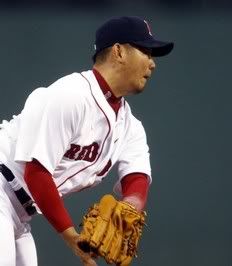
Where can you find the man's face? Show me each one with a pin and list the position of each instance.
(138, 68)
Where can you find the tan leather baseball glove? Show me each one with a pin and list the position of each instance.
(112, 229)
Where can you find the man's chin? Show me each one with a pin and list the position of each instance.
(137, 89)
(140, 89)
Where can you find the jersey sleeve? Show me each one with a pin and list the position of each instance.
(48, 122)
(135, 156)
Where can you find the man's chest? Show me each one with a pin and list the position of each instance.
(100, 136)
(92, 152)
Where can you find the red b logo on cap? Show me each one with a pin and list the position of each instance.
(148, 27)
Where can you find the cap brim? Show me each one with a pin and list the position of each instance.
(159, 48)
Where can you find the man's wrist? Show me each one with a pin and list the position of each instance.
(135, 201)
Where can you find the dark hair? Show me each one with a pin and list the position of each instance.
(102, 55)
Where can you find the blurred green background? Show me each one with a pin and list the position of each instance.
(186, 110)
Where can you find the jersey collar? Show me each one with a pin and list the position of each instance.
(110, 97)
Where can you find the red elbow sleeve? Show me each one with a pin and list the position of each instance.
(46, 196)
(135, 184)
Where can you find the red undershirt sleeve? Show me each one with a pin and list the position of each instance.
(135, 184)
(46, 196)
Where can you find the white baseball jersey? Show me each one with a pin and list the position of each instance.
(71, 129)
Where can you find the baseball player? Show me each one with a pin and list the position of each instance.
(70, 134)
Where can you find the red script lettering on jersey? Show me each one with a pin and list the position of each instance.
(85, 153)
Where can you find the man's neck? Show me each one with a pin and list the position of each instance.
(111, 76)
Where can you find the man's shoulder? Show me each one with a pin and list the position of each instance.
(69, 88)
(74, 79)
(71, 85)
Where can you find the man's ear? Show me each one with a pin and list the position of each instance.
(119, 52)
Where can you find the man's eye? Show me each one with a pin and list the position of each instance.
(146, 51)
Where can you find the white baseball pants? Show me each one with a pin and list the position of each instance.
(17, 247)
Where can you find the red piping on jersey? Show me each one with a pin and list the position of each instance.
(103, 141)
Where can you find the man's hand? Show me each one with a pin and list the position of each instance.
(71, 237)
(112, 228)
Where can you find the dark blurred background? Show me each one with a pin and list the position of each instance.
(186, 110)
(92, 4)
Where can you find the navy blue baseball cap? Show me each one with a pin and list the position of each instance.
(132, 30)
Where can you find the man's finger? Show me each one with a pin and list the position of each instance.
(89, 262)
